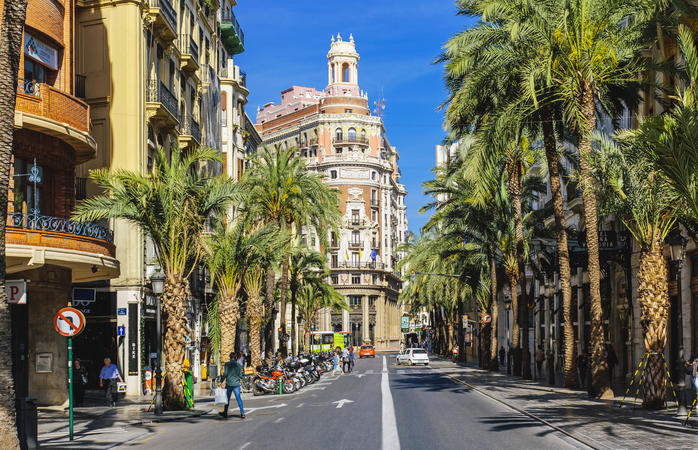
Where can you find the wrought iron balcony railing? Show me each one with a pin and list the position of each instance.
(167, 11)
(60, 225)
(28, 87)
(158, 92)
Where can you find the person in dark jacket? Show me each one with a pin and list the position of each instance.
(232, 375)
(79, 381)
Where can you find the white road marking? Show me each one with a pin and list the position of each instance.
(279, 420)
(280, 405)
(341, 402)
(300, 404)
(245, 445)
(390, 437)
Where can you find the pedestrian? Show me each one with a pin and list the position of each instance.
(231, 375)
(335, 362)
(540, 357)
(692, 370)
(502, 355)
(241, 359)
(345, 360)
(79, 381)
(455, 353)
(582, 367)
(351, 358)
(611, 360)
(107, 378)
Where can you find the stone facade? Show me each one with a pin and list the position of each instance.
(335, 133)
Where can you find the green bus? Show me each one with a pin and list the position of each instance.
(326, 341)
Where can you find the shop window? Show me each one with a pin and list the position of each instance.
(333, 174)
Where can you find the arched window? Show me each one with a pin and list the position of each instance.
(338, 134)
(363, 135)
(345, 72)
(351, 135)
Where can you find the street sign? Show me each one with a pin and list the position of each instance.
(121, 311)
(486, 318)
(16, 291)
(121, 330)
(405, 324)
(69, 322)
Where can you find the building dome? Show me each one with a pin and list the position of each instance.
(340, 47)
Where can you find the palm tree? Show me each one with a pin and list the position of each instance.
(13, 15)
(505, 54)
(172, 206)
(306, 266)
(314, 296)
(283, 192)
(231, 250)
(255, 311)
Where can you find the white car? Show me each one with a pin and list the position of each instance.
(413, 356)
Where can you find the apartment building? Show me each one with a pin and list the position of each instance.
(152, 74)
(337, 135)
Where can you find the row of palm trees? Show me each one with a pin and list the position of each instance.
(527, 85)
(245, 232)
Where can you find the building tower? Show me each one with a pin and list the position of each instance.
(343, 68)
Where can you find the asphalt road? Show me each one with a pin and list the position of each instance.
(421, 409)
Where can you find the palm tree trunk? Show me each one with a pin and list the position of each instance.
(284, 288)
(449, 333)
(13, 16)
(551, 155)
(600, 383)
(174, 306)
(494, 307)
(514, 173)
(255, 311)
(294, 340)
(228, 316)
(654, 305)
(306, 335)
(515, 334)
(270, 316)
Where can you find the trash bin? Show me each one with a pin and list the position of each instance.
(27, 423)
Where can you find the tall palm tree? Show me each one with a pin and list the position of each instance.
(13, 15)
(314, 296)
(502, 54)
(231, 250)
(255, 311)
(172, 206)
(306, 266)
(283, 192)
(630, 187)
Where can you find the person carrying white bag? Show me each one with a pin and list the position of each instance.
(231, 375)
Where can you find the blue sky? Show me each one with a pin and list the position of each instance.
(286, 43)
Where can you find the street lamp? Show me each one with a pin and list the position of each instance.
(677, 249)
(157, 283)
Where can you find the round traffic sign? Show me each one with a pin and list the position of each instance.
(486, 318)
(69, 322)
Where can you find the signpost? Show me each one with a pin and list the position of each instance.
(69, 322)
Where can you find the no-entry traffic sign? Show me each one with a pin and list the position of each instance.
(69, 322)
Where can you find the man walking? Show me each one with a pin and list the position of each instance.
(345, 360)
(107, 377)
(351, 359)
(232, 375)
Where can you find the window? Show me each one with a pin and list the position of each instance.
(374, 215)
(24, 189)
(32, 72)
(312, 240)
(363, 135)
(339, 151)
(334, 278)
(355, 217)
(333, 174)
(351, 134)
(355, 278)
(374, 279)
(355, 300)
(355, 237)
(333, 239)
(334, 260)
(374, 175)
(338, 135)
(355, 259)
(347, 111)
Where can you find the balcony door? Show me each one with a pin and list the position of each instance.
(25, 189)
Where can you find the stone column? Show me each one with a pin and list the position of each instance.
(364, 306)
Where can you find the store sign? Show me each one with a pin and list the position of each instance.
(40, 51)
(16, 291)
(83, 299)
(405, 324)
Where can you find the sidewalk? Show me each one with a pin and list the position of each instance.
(598, 423)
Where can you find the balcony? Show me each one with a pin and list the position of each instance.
(161, 105)
(189, 51)
(47, 110)
(189, 132)
(349, 140)
(231, 34)
(86, 248)
(372, 265)
(356, 244)
(164, 19)
(375, 203)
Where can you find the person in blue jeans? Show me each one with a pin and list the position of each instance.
(232, 375)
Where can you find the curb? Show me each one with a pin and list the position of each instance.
(164, 419)
(526, 413)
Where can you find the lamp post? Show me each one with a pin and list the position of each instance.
(157, 283)
(677, 247)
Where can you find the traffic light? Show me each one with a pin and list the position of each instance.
(412, 275)
(281, 334)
